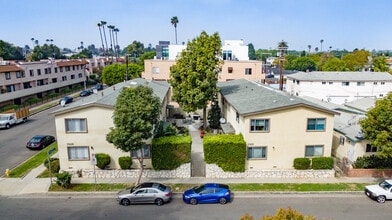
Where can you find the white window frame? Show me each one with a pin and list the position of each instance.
(75, 125)
(253, 125)
(78, 153)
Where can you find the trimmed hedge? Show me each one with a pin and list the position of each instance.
(170, 152)
(54, 165)
(125, 162)
(64, 179)
(228, 151)
(372, 162)
(302, 163)
(322, 163)
(102, 160)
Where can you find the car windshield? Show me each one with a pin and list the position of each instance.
(3, 118)
(35, 139)
(385, 185)
(198, 189)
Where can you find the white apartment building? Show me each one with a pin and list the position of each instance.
(339, 87)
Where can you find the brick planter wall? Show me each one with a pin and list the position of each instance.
(385, 173)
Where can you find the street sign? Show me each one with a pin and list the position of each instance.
(93, 159)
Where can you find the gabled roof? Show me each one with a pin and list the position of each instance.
(249, 97)
(9, 68)
(363, 104)
(341, 76)
(108, 97)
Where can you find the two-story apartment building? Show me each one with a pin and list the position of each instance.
(339, 87)
(22, 80)
(234, 54)
(277, 127)
(82, 126)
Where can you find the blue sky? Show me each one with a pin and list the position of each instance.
(342, 24)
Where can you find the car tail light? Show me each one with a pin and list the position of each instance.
(167, 194)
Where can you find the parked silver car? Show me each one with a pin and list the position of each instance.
(148, 192)
(381, 192)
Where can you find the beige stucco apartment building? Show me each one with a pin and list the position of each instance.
(81, 127)
(277, 127)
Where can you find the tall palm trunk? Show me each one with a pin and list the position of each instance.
(104, 34)
(100, 34)
(117, 47)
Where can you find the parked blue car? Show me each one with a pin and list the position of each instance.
(207, 193)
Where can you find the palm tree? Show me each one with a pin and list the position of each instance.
(316, 49)
(282, 47)
(111, 27)
(100, 34)
(309, 47)
(36, 42)
(103, 23)
(321, 42)
(116, 30)
(174, 21)
(32, 40)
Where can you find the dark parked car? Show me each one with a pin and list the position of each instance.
(85, 93)
(66, 99)
(39, 142)
(207, 193)
(149, 192)
(99, 86)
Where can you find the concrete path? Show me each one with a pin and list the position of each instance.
(198, 166)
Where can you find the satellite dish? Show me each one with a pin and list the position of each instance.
(62, 103)
(222, 120)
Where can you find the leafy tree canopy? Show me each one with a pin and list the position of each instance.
(377, 126)
(116, 73)
(194, 76)
(135, 49)
(380, 64)
(303, 64)
(334, 64)
(356, 60)
(251, 52)
(10, 52)
(45, 51)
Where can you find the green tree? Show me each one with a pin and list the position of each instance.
(135, 114)
(146, 56)
(194, 76)
(135, 49)
(251, 52)
(303, 64)
(377, 126)
(115, 73)
(85, 53)
(45, 51)
(356, 60)
(289, 214)
(380, 64)
(334, 64)
(10, 52)
(214, 115)
(174, 22)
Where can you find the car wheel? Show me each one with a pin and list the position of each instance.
(7, 126)
(159, 202)
(222, 201)
(380, 199)
(125, 202)
(193, 201)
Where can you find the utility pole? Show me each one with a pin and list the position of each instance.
(126, 68)
(282, 47)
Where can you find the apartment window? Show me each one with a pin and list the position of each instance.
(73, 67)
(360, 83)
(248, 71)
(230, 69)
(50, 70)
(323, 83)
(55, 69)
(54, 80)
(297, 82)
(259, 125)
(67, 68)
(370, 148)
(381, 95)
(61, 69)
(75, 125)
(10, 88)
(145, 150)
(46, 70)
(31, 72)
(374, 83)
(345, 83)
(330, 83)
(227, 55)
(7, 75)
(26, 85)
(314, 150)
(257, 152)
(78, 153)
(39, 72)
(382, 83)
(72, 76)
(18, 74)
(237, 117)
(341, 140)
(40, 82)
(64, 78)
(155, 70)
(316, 124)
(165, 52)
(80, 75)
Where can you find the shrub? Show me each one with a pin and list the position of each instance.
(54, 165)
(103, 160)
(372, 162)
(170, 152)
(302, 163)
(125, 162)
(288, 213)
(322, 163)
(64, 179)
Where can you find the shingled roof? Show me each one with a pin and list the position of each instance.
(9, 68)
(249, 97)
